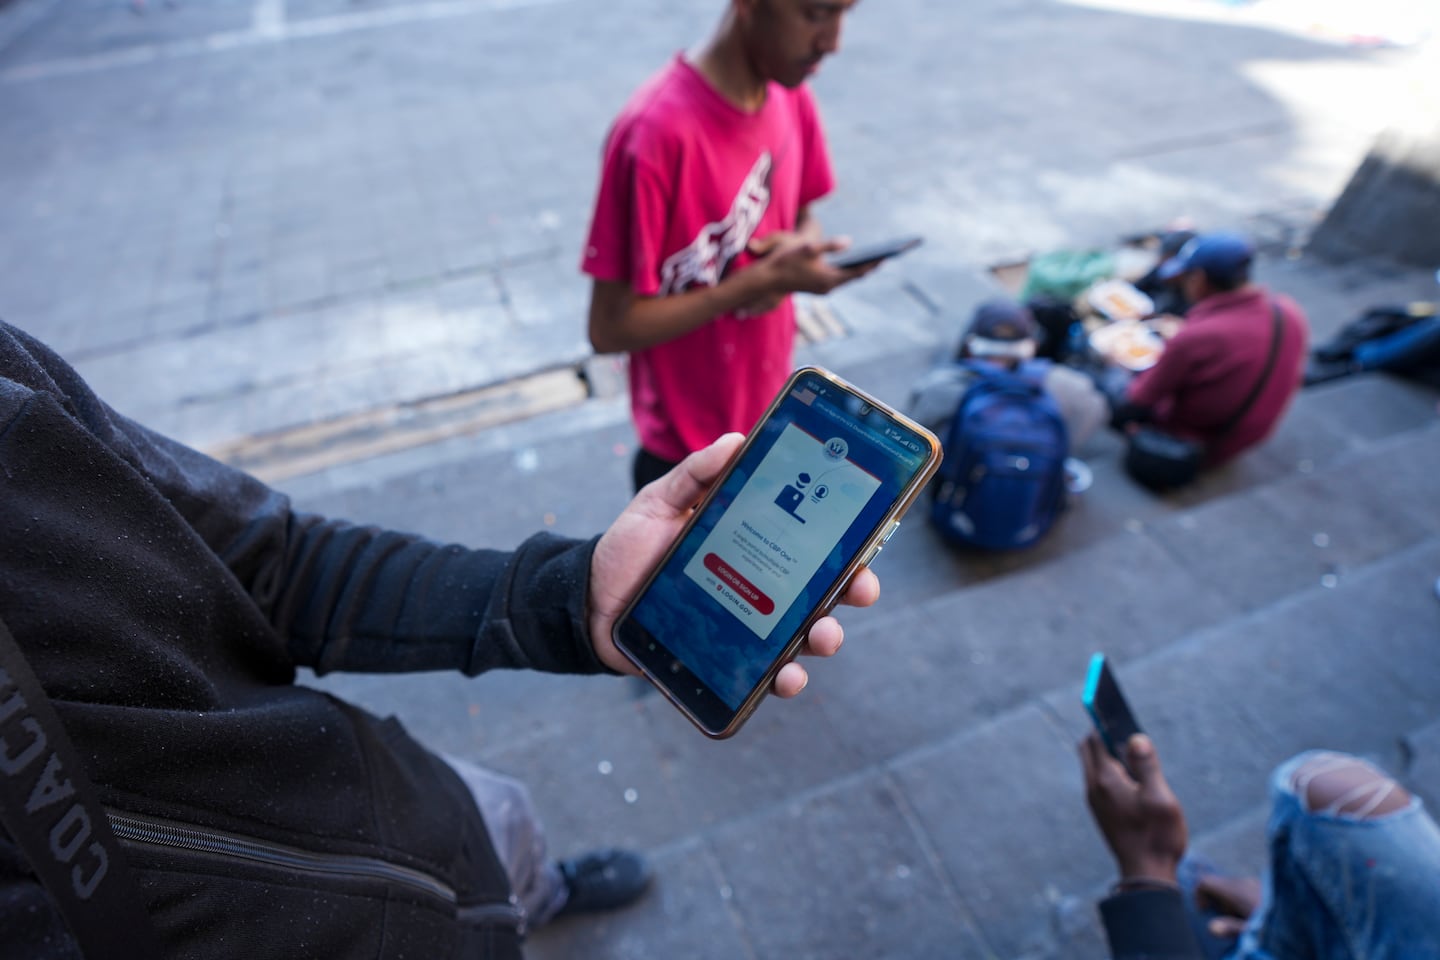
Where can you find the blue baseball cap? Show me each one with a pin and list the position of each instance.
(1224, 257)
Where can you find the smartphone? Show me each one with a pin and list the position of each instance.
(816, 490)
(1108, 709)
(874, 253)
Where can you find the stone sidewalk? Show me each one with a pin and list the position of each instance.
(243, 217)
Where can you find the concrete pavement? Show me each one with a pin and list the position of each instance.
(249, 220)
(386, 201)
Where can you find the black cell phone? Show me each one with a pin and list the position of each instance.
(1108, 709)
(874, 253)
(816, 490)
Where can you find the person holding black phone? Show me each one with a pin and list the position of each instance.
(704, 226)
(1354, 868)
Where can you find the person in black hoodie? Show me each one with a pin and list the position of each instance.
(164, 601)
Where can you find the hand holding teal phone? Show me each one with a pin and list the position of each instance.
(1108, 708)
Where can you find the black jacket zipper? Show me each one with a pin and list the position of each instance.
(133, 829)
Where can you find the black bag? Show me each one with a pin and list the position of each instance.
(1162, 461)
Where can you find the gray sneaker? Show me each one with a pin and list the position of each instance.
(604, 880)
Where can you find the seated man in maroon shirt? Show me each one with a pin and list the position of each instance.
(1237, 343)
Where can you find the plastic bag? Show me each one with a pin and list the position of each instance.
(1065, 274)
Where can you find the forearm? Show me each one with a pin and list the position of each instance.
(365, 600)
(357, 598)
(621, 322)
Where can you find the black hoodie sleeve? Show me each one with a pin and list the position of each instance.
(1148, 925)
(342, 596)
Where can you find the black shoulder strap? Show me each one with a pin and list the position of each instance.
(52, 812)
(1277, 332)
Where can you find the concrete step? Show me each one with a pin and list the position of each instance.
(923, 798)
(974, 840)
(927, 781)
(1422, 770)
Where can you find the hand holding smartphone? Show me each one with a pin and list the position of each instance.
(811, 497)
(1108, 708)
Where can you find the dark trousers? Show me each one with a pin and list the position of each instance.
(649, 467)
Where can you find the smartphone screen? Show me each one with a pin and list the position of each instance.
(1108, 709)
(821, 480)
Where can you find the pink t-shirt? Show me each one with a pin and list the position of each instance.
(688, 180)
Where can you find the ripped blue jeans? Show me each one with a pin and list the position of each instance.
(1342, 887)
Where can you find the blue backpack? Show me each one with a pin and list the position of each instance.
(1002, 483)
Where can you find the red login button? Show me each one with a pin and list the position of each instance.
(748, 591)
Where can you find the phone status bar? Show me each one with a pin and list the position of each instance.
(857, 409)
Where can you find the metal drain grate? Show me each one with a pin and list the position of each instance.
(297, 451)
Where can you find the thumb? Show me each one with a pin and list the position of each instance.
(1225, 928)
(683, 486)
(1143, 761)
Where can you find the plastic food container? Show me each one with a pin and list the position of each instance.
(1119, 300)
(1131, 344)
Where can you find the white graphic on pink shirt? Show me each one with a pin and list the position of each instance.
(703, 262)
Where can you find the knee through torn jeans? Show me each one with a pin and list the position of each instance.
(1344, 887)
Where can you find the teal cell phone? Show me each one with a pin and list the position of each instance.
(1108, 708)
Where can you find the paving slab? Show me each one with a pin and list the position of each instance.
(1238, 847)
(1009, 868)
(1399, 602)
(617, 787)
(1315, 527)
(786, 749)
(1423, 775)
(972, 654)
(1310, 672)
(856, 845)
(1372, 406)
(686, 914)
